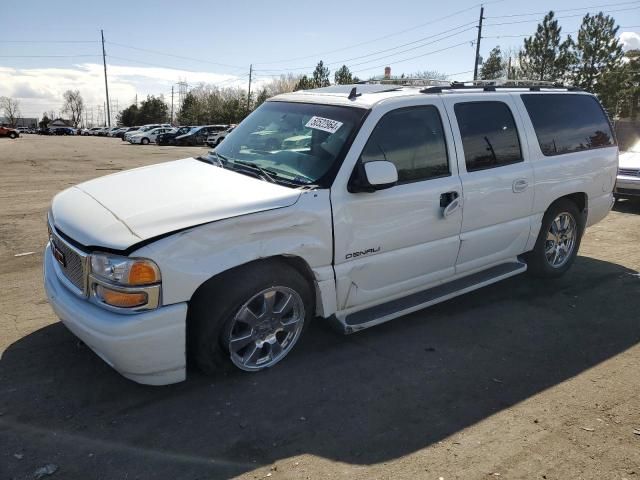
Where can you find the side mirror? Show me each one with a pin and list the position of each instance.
(372, 176)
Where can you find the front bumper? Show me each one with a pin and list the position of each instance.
(627, 186)
(148, 348)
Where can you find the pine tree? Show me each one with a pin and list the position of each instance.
(598, 51)
(321, 76)
(544, 57)
(343, 76)
(494, 67)
(304, 83)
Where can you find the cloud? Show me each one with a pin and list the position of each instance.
(630, 40)
(41, 89)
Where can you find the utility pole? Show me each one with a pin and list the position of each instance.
(104, 110)
(475, 67)
(106, 85)
(249, 91)
(172, 104)
(509, 68)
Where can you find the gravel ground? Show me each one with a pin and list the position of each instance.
(523, 379)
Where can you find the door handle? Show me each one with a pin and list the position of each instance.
(450, 202)
(520, 185)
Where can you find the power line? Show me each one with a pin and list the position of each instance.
(564, 10)
(556, 18)
(49, 56)
(49, 41)
(157, 52)
(399, 32)
(338, 62)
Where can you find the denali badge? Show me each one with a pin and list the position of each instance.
(362, 252)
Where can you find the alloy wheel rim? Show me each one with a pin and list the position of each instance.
(561, 240)
(265, 328)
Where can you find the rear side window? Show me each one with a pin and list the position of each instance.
(413, 139)
(566, 123)
(489, 135)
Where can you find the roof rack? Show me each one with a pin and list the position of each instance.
(407, 82)
(492, 85)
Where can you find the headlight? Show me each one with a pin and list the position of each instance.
(124, 284)
(124, 270)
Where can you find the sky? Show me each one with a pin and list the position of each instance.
(48, 47)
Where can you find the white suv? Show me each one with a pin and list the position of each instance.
(401, 198)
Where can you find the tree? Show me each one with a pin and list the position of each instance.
(129, 116)
(282, 84)
(73, 106)
(494, 66)
(261, 98)
(189, 111)
(598, 52)
(343, 76)
(44, 123)
(544, 56)
(10, 109)
(304, 83)
(152, 110)
(628, 103)
(428, 75)
(321, 76)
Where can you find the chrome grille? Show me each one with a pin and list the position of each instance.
(73, 265)
(629, 172)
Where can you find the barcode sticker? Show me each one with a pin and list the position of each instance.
(324, 124)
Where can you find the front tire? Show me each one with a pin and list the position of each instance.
(144, 141)
(250, 318)
(558, 241)
(12, 135)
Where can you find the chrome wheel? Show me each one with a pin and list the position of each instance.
(265, 328)
(561, 240)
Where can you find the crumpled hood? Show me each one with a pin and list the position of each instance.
(125, 208)
(629, 160)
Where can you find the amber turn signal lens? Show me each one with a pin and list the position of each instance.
(120, 299)
(143, 273)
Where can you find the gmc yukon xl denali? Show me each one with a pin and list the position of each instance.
(355, 204)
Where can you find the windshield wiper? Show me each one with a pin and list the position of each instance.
(214, 159)
(266, 174)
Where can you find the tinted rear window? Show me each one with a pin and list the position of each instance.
(489, 135)
(568, 123)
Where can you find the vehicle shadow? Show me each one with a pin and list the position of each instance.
(627, 206)
(361, 399)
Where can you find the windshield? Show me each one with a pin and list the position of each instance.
(300, 143)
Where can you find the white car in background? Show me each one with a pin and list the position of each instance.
(144, 128)
(144, 138)
(628, 180)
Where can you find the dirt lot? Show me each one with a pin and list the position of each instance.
(523, 379)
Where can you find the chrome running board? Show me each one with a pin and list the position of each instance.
(378, 314)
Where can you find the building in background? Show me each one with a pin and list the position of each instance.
(21, 122)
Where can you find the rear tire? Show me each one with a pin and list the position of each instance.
(230, 323)
(558, 240)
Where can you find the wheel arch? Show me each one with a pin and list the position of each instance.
(580, 199)
(297, 263)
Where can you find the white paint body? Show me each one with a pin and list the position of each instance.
(628, 180)
(221, 219)
(150, 136)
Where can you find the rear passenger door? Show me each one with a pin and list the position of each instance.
(497, 179)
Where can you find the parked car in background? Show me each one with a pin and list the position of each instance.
(149, 136)
(169, 138)
(628, 179)
(63, 131)
(120, 133)
(144, 128)
(198, 135)
(214, 139)
(404, 198)
(23, 129)
(9, 132)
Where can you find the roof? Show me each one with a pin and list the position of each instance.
(367, 95)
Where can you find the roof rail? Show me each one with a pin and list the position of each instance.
(408, 82)
(492, 85)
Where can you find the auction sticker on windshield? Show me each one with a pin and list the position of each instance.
(324, 124)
